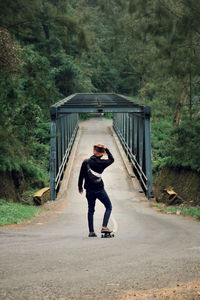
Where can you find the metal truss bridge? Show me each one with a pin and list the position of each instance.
(131, 123)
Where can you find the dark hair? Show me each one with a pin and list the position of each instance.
(99, 149)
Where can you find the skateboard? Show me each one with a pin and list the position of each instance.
(108, 234)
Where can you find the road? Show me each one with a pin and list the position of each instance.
(52, 257)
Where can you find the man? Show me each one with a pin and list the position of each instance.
(90, 173)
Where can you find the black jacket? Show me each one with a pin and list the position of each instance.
(97, 164)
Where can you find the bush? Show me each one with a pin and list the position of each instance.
(34, 175)
(160, 140)
(176, 147)
(85, 116)
(108, 115)
(42, 133)
(185, 145)
(10, 151)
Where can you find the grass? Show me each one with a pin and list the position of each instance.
(13, 213)
(193, 211)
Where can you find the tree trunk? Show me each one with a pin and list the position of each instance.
(177, 114)
(142, 84)
(190, 96)
(179, 105)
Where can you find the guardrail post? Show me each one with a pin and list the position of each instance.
(131, 132)
(53, 154)
(148, 151)
(141, 145)
(135, 136)
(63, 135)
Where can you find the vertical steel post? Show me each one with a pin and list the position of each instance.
(67, 130)
(127, 128)
(59, 140)
(125, 132)
(63, 135)
(148, 151)
(70, 126)
(53, 154)
(119, 122)
(131, 132)
(119, 125)
(122, 124)
(114, 120)
(135, 137)
(141, 131)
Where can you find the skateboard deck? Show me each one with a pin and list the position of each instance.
(108, 234)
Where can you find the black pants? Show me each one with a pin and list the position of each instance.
(91, 198)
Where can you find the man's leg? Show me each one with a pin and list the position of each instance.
(103, 197)
(91, 198)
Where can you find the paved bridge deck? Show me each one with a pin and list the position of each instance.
(56, 259)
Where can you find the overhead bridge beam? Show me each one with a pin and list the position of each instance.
(99, 109)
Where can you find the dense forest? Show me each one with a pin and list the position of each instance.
(49, 49)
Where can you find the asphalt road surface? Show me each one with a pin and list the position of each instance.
(52, 257)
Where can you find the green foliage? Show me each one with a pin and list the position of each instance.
(10, 151)
(42, 133)
(85, 116)
(68, 75)
(9, 53)
(41, 44)
(50, 49)
(176, 147)
(161, 139)
(33, 174)
(13, 213)
(108, 115)
(185, 145)
(40, 155)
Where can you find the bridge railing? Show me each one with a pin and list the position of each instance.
(133, 131)
(63, 132)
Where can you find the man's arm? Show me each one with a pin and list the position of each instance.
(81, 177)
(110, 157)
(107, 162)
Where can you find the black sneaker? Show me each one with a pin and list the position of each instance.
(92, 234)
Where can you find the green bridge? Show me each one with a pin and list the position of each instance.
(131, 123)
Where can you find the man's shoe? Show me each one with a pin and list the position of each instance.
(92, 234)
(106, 230)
